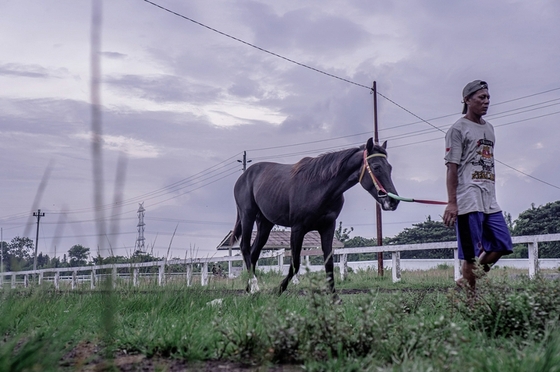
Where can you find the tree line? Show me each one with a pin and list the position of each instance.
(19, 254)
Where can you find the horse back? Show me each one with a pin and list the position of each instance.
(265, 187)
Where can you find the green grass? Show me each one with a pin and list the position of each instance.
(406, 326)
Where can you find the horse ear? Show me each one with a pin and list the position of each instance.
(369, 145)
(384, 145)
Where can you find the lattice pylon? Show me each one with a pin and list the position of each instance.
(140, 241)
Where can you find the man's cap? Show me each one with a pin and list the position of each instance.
(471, 88)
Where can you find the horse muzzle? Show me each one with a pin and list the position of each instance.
(387, 203)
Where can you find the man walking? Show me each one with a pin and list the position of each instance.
(472, 207)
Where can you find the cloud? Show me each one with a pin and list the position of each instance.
(185, 102)
(164, 88)
(31, 71)
(114, 55)
(130, 146)
(304, 29)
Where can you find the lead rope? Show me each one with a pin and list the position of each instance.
(381, 191)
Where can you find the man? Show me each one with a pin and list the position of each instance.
(472, 207)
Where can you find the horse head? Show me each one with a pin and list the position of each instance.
(375, 175)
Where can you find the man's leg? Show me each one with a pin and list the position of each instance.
(468, 275)
(469, 231)
(487, 259)
(496, 240)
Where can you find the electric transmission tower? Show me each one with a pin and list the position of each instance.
(140, 240)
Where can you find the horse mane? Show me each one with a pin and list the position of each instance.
(323, 167)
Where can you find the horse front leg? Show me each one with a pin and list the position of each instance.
(296, 241)
(327, 235)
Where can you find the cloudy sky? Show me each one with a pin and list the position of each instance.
(181, 102)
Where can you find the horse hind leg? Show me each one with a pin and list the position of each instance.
(263, 232)
(247, 222)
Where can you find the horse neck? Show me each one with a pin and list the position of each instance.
(348, 175)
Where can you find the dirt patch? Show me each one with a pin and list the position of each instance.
(86, 356)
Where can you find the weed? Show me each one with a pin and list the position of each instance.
(500, 311)
(242, 341)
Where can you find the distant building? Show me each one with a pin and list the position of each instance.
(281, 240)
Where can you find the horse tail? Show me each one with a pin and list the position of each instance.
(236, 232)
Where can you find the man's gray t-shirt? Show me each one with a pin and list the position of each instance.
(471, 146)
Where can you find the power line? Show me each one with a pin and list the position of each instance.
(489, 116)
(256, 47)
(182, 184)
(317, 70)
(206, 174)
(212, 179)
(166, 189)
(203, 175)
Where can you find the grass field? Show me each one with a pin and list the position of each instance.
(419, 324)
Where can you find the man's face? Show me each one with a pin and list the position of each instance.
(479, 102)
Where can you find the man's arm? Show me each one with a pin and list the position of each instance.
(451, 211)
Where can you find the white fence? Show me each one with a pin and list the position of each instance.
(532, 242)
(132, 271)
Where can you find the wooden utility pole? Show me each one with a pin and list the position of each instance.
(244, 161)
(38, 215)
(377, 206)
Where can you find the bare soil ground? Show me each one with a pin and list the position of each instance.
(87, 357)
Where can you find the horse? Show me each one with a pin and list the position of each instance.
(306, 196)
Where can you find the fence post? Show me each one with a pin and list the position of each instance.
(57, 280)
(396, 269)
(281, 263)
(204, 274)
(533, 250)
(13, 281)
(40, 278)
(188, 269)
(135, 273)
(161, 274)
(343, 264)
(114, 276)
(74, 279)
(92, 279)
(1, 281)
(26, 280)
(456, 264)
(230, 268)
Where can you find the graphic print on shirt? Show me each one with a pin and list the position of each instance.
(483, 162)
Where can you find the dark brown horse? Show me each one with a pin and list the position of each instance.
(306, 196)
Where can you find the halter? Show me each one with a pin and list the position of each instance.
(381, 192)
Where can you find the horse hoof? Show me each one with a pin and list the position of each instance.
(336, 299)
(253, 285)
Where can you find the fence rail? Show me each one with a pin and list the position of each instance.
(131, 271)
